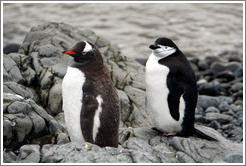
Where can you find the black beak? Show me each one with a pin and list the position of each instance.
(153, 46)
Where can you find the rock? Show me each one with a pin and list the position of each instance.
(211, 116)
(55, 98)
(19, 90)
(215, 125)
(207, 101)
(212, 109)
(234, 158)
(10, 70)
(9, 157)
(62, 138)
(211, 89)
(228, 75)
(237, 132)
(11, 48)
(24, 120)
(49, 51)
(218, 67)
(126, 106)
(72, 152)
(224, 106)
(236, 87)
(184, 158)
(29, 154)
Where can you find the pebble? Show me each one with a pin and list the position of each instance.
(212, 109)
(234, 158)
(11, 48)
(221, 118)
(211, 88)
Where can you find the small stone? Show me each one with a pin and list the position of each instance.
(212, 109)
(234, 158)
(236, 87)
(218, 67)
(202, 66)
(211, 89)
(239, 102)
(218, 117)
(228, 75)
(214, 124)
(224, 106)
(207, 101)
(236, 108)
(11, 48)
(62, 138)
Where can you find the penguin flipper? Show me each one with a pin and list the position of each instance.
(174, 101)
(202, 135)
(90, 105)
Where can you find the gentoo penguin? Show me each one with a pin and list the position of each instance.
(171, 90)
(90, 100)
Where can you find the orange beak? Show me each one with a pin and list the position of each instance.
(69, 52)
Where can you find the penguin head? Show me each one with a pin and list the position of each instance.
(83, 51)
(163, 47)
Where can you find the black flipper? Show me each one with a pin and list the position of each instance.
(202, 135)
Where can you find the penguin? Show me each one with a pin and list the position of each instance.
(171, 90)
(90, 100)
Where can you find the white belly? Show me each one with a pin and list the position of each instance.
(157, 93)
(72, 95)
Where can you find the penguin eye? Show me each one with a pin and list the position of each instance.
(83, 53)
(165, 47)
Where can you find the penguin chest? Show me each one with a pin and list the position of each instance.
(72, 95)
(157, 98)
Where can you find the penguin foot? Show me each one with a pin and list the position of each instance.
(169, 134)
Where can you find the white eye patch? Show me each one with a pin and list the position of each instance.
(87, 48)
(164, 51)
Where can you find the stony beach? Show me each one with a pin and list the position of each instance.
(33, 119)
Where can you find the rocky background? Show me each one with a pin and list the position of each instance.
(33, 120)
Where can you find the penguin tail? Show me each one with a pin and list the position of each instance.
(202, 135)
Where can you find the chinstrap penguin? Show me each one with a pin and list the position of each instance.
(171, 90)
(90, 101)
